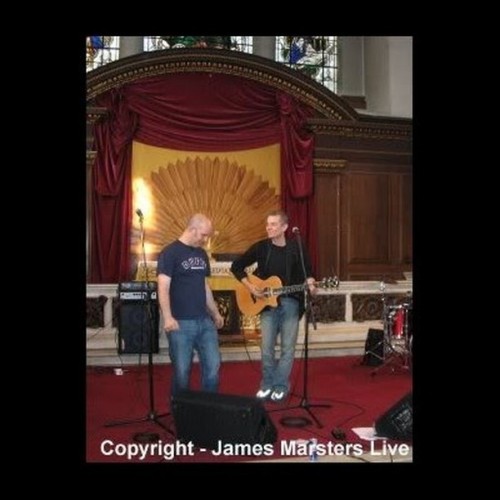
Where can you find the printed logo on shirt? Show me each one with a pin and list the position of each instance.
(194, 263)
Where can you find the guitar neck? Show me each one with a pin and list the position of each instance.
(327, 283)
(288, 289)
(270, 288)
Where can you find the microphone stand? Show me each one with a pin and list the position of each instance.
(152, 415)
(309, 313)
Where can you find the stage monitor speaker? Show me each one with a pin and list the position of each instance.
(205, 418)
(397, 421)
(138, 321)
(374, 348)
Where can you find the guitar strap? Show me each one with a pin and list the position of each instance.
(288, 262)
(290, 255)
(268, 256)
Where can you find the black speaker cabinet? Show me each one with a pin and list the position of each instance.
(138, 321)
(206, 418)
(374, 348)
(397, 421)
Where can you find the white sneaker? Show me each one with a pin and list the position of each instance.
(278, 396)
(263, 393)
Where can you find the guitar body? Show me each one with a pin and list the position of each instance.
(251, 305)
(272, 287)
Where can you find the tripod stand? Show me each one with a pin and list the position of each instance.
(152, 415)
(309, 313)
(304, 402)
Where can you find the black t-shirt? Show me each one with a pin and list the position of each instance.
(272, 260)
(276, 265)
(289, 270)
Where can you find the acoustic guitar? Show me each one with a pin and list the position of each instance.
(272, 288)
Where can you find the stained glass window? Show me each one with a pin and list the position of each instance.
(101, 50)
(241, 43)
(155, 43)
(315, 56)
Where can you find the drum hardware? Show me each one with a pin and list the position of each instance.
(397, 339)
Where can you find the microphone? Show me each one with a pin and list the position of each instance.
(295, 230)
(139, 213)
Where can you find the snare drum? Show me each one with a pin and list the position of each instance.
(398, 323)
(398, 320)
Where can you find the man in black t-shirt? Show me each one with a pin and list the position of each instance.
(277, 256)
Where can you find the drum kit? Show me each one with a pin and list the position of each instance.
(398, 334)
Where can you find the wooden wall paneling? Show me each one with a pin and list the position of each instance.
(368, 225)
(407, 221)
(327, 186)
(395, 219)
(401, 218)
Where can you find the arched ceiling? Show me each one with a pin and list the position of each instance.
(163, 62)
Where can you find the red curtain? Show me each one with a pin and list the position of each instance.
(197, 112)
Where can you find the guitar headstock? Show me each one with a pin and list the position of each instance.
(328, 283)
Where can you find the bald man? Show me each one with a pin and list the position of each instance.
(190, 314)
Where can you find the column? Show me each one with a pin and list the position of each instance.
(401, 75)
(388, 75)
(130, 45)
(350, 66)
(264, 46)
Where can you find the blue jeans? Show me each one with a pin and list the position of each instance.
(198, 335)
(284, 321)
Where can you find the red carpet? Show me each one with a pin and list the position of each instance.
(356, 397)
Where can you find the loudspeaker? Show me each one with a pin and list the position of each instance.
(138, 320)
(397, 421)
(374, 348)
(205, 418)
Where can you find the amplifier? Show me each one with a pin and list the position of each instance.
(397, 421)
(137, 290)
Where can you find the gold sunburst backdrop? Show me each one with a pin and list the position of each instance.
(233, 196)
